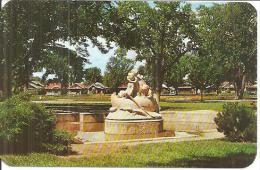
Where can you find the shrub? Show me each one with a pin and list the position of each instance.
(25, 126)
(60, 144)
(238, 122)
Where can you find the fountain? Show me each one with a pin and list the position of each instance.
(134, 118)
(134, 112)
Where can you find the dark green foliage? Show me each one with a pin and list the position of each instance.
(93, 75)
(117, 69)
(238, 122)
(227, 34)
(175, 74)
(26, 126)
(157, 33)
(204, 73)
(60, 144)
(31, 27)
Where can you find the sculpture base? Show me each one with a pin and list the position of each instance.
(137, 128)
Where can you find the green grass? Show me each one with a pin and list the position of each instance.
(199, 105)
(190, 97)
(213, 153)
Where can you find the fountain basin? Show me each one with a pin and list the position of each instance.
(91, 122)
(68, 121)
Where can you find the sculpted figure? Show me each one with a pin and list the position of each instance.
(144, 89)
(132, 86)
(136, 102)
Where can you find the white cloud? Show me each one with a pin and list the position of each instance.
(4, 2)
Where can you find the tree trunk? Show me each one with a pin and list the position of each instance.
(7, 75)
(218, 91)
(1, 54)
(153, 74)
(63, 88)
(158, 78)
(201, 94)
(27, 75)
(176, 91)
(10, 49)
(240, 87)
(196, 91)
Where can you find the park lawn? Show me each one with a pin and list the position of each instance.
(189, 97)
(200, 105)
(212, 153)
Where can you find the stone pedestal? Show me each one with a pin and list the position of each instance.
(133, 127)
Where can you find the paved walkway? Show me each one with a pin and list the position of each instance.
(105, 147)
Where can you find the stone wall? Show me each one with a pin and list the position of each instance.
(190, 121)
(75, 121)
(68, 121)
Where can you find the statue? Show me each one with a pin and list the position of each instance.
(136, 102)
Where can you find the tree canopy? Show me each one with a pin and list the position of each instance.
(30, 27)
(174, 76)
(117, 69)
(93, 75)
(228, 36)
(161, 33)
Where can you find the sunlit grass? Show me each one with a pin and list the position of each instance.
(213, 153)
(199, 105)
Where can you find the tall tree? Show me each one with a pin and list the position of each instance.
(157, 32)
(41, 23)
(203, 73)
(174, 76)
(67, 68)
(117, 69)
(231, 29)
(1, 49)
(93, 75)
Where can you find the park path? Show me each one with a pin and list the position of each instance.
(107, 147)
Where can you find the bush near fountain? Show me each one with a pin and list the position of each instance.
(237, 122)
(29, 127)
